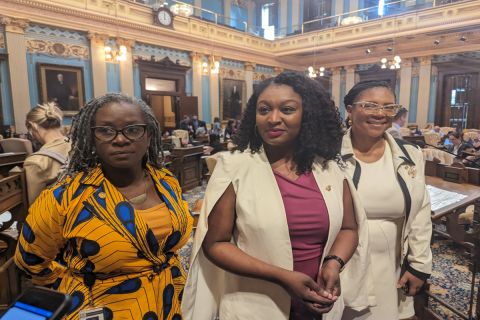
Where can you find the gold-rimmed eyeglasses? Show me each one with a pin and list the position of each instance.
(389, 110)
(132, 132)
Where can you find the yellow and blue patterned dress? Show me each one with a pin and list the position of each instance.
(84, 226)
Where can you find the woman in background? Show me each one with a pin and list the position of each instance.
(389, 176)
(117, 220)
(278, 221)
(44, 123)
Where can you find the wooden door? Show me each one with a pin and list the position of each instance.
(188, 106)
(158, 107)
(459, 106)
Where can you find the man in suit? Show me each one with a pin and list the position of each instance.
(457, 145)
(199, 126)
(60, 92)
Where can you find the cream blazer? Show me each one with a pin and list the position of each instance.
(261, 230)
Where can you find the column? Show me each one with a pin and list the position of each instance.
(251, 15)
(198, 4)
(126, 67)
(336, 78)
(227, 7)
(249, 68)
(350, 77)
(296, 24)
(214, 94)
(283, 7)
(17, 64)
(353, 6)
(197, 79)
(99, 68)
(424, 90)
(405, 83)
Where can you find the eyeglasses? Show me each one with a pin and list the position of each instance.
(389, 110)
(132, 132)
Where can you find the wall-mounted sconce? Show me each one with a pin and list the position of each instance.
(205, 68)
(312, 73)
(118, 55)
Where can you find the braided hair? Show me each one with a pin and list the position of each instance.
(320, 133)
(83, 156)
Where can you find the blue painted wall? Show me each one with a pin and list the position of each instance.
(343, 87)
(113, 77)
(412, 110)
(432, 99)
(189, 83)
(301, 11)
(238, 15)
(215, 6)
(6, 93)
(289, 17)
(137, 89)
(206, 108)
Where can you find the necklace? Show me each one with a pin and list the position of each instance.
(141, 198)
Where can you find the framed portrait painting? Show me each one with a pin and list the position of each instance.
(232, 98)
(63, 85)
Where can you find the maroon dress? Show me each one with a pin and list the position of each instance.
(308, 224)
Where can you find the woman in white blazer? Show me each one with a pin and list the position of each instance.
(245, 259)
(389, 177)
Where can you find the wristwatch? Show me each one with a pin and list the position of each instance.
(336, 258)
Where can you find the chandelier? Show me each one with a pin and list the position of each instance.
(391, 64)
(312, 73)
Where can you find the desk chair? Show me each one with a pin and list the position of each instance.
(16, 145)
(13, 198)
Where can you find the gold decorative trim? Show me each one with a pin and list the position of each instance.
(2, 41)
(57, 49)
(235, 74)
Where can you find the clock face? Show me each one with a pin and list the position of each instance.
(164, 17)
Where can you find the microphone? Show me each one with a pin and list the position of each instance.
(423, 144)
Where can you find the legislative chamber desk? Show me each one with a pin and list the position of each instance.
(187, 166)
(468, 240)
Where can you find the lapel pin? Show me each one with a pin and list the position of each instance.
(102, 195)
(412, 172)
(328, 188)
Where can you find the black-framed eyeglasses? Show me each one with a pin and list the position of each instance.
(389, 110)
(132, 132)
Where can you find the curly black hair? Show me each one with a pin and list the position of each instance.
(320, 133)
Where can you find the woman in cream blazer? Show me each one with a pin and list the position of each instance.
(260, 226)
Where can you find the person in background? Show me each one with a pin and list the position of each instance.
(399, 121)
(214, 145)
(436, 129)
(44, 124)
(389, 177)
(457, 144)
(216, 126)
(199, 126)
(116, 220)
(229, 129)
(279, 221)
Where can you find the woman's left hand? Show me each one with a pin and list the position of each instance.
(410, 284)
(329, 280)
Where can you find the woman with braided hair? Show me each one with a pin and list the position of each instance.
(116, 219)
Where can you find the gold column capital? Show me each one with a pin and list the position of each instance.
(14, 25)
(196, 57)
(424, 61)
(350, 68)
(250, 66)
(129, 43)
(407, 62)
(96, 37)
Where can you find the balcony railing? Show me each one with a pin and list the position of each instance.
(349, 18)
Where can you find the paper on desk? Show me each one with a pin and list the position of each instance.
(440, 198)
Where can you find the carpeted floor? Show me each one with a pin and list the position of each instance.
(450, 279)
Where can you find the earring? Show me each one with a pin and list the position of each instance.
(350, 122)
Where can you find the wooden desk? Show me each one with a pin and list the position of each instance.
(9, 160)
(449, 216)
(414, 139)
(187, 166)
(451, 212)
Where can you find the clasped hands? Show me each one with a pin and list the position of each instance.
(316, 297)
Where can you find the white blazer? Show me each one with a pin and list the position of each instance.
(261, 230)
